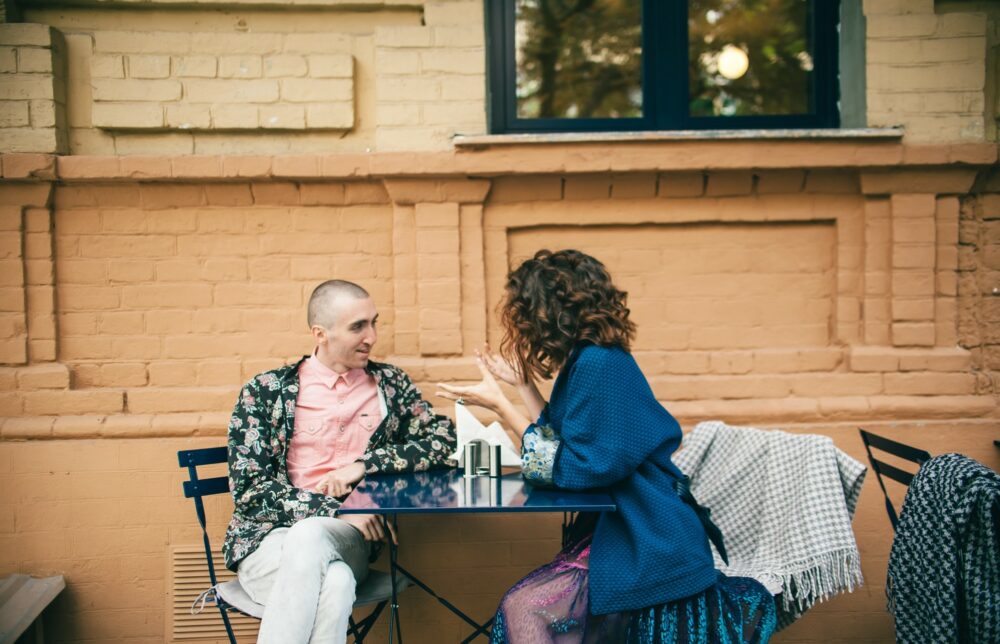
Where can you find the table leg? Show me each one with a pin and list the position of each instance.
(393, 566)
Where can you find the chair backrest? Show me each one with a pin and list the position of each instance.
(899, 450)
(196, 488)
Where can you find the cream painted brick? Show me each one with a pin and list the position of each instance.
(338, 116)
(285, 66)
(231, 44)
(188, 117)
(14, 33)
(310, 91)
(8, 60)
(454, 61)
(234, 116)
(231, 91)
(404, 36)
(412, 138)
(14, 113)
(407, 89)
(30, 140)
(139, 42)
(331, 66)
(889, 26)
(148, 66)
(459, 37)
(127, 115)
(23, 87)
(942, 50)
(455, 114)
(961, 24)
(463, 88)
(34, 60)
(397, 61)
(317, 43)
(453, 13)
(107, 66)
(43, 113)
(109, 89)
(945, 76)
(282, 117)
(954, 102)
(400, 114)
(195, 66)
(239, 67)
(873, 7)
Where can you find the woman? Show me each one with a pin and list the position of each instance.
(643, 573)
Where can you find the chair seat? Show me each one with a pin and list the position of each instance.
(377, 587)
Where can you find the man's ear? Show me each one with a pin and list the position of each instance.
(318, 333)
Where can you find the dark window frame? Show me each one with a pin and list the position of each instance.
(665, 104)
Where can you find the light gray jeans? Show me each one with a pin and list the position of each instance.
(306, 576)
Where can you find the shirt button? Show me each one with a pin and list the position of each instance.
(340, 401)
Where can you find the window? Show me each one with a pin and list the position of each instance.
(612, 65)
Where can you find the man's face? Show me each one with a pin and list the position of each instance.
(351, 336)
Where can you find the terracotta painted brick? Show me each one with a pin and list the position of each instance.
(364, 192)
(913, 334)
(182, 296)
(43, 377)
(913, 256)
(912, 309)
(857, 384)
(818, 181)
(514, 189)
(275, 194)
(930, 383)
(444, 215)
(913, 283)
(49, 403)
(155, 400)
(156, 197)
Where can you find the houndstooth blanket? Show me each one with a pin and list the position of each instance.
(784, 503)
(944, 570)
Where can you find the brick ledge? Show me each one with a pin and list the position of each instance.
(556, 158)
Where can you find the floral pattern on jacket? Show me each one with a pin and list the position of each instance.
(411, 437)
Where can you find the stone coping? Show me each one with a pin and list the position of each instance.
(678, 155)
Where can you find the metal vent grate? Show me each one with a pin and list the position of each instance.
(189, 578)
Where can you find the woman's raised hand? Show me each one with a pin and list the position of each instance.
(500, 368)
(486, 393)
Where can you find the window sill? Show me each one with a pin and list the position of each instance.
(481, 141)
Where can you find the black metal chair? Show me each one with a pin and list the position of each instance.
(229, 595)
(899, 450)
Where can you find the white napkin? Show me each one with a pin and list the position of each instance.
(469, 429)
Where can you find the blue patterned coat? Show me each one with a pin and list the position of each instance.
(604, 429)
(410, 438)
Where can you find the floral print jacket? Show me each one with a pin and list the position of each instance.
(410, 438)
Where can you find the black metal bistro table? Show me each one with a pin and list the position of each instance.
(450, 492)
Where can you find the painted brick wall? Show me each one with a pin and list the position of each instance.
(927, 70)
(409, 77)
(32, 89)
(140, 292)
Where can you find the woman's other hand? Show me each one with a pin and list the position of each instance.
(486, 393)
(500, 368)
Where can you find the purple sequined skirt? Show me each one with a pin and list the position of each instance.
(550, 605)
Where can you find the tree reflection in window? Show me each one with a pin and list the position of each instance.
(771, 35)
(579, 58)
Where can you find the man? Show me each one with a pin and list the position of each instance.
(300, 438)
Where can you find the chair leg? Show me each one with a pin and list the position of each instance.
(225, 621)
(360, 629)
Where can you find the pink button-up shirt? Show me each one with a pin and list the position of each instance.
(335, 416)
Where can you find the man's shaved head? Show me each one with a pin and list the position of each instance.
(323, 301)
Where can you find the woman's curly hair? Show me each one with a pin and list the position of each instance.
(555, 300)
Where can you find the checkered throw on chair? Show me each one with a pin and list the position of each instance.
(944, 570)
(784, 503)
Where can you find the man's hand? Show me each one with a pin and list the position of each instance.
(341, 481)
(370, 526)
